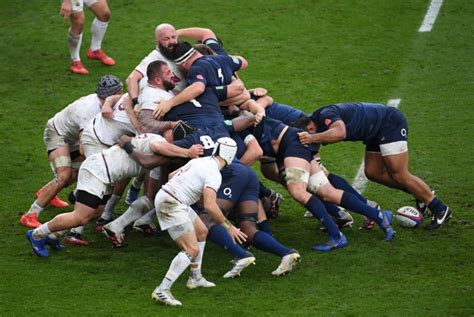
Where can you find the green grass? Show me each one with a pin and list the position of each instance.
(307, 53)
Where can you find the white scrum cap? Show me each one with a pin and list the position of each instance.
(226, 148)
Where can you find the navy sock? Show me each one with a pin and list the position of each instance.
(265, 227)
(221, 237)
(436, 206)
(316, 207)
(340, 183)
(264, 191)
(350, 202)
(265, 242)
(332, 209)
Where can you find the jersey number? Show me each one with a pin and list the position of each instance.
(219, 74)
(207, 142)
(196, 103)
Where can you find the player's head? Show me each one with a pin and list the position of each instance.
(204, 49)
(305, 124)
(181, 130)
(109, 85)
(159, 74)
(185, 54)
(225, 148)
(166, 39)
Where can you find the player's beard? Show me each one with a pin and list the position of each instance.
(168, 85)
(167, 52)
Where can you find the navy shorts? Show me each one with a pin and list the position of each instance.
(239, 183)
(290, 146)
(394, 129)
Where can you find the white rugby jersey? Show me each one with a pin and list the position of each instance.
(189, 182)
(150, 94)
(73, 119)
(179, 79)
(107, 131)
(114, 164)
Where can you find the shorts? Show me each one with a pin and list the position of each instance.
(392, 137)
(52, 140)
(78, 5)
(88, 182)
(290, 146)
(170, 212)
(239, 183)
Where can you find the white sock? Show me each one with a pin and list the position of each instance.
(197, 262)
(147, 219)
(41, 232)
(74, 42)
(179, 264)
(78, 230)
(135, 211)
(110, 207)
(98, 29)
(35, 208)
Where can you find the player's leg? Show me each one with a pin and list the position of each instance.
(376, 171)
(99, 27)
(74, 38)
(263, 223)
(108, 213)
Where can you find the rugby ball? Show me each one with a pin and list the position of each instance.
(409, 217)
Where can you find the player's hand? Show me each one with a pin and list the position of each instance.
(237, 235)
(259, 92)
(258, 118)
(196, 150)
(66, 9)
(162, 108)
(107, 111)
(305, 137)
(123, 139)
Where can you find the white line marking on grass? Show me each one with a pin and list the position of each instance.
(360, 180)
(431, 16)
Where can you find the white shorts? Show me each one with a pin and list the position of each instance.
(393, 148)
(52, 140)
(78, 5)
(88, 182)
(171, 212)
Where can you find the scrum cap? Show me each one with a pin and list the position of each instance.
(226, 148)
(108, 85)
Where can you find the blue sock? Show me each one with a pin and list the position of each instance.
(351, 202)
(264, 191)
(332, 209)
(340, 183)
(221, 237)
(265, 242)
(316, 207)
(265, 227)
(436, 206)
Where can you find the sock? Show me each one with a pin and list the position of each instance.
(134, 212)
(180, 262)
(74, 42)
(196, 263)
(265, 242)
(264, 191)
(41, 232)
(351, 202)
(147, 219)
(437, 206)
(98, 29)
(265, 227)
(110, 207)
(332, 209)
(340, 183)
(137, 184)
(78, 230)
(35, 208)
(316, 207)
(221, 237)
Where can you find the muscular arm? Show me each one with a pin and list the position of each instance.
(253, 153)
(127, 104)
(171, 150)
(133, 84)
(190, 92)
(149, 124)
(199, 34)
(335, 133)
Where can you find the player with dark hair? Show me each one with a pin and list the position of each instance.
(384, 131)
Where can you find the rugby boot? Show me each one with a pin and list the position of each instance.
(439, 220)
(78, 68)
(387, 225)
(132, 195)
(39, 246)
(53, 243)
(200, 282)
(165, 297)
(30, 220)
(332, 244)
(76, 239)
(100, 56)
(115, 238)
(288, 262)
(240, 265)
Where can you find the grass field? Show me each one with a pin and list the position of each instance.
(307, 54)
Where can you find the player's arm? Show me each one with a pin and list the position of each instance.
(199, 34)
(210, 205)
(148, 124)
(253, 151)
(190, 92)
(132, 116)
(335, 133)
(171, 150)
(133, 85)
(66, 9)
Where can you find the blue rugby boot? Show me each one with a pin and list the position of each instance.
(132, 195)
(387, 225)
(39, 246)
(53, 243)
(332, 244)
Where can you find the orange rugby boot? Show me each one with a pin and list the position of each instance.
(30, 220)
(100, 56)
(78, 68)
